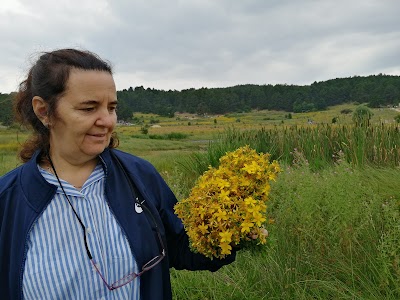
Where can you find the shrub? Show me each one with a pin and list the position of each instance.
(346, 111)
(362, 115)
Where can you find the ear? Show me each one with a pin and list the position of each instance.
(40, 108)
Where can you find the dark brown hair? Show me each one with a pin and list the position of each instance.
(47, 79)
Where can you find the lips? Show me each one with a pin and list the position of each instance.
(98, 135)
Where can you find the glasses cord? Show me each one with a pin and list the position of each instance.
(65, 194)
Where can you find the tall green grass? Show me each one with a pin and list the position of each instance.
(10, 141)
(321, 145)
(336, 236)
(337, 217)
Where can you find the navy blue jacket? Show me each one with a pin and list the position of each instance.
(25, 194)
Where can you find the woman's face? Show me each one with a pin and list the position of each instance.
(85, 116)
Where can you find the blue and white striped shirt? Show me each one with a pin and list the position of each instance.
(57, 265)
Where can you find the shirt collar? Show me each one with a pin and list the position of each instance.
(37, 191)
(96, 175)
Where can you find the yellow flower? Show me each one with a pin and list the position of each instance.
(250, 201)
(246, 226)
(272, 176)
(245, 181)
(258, 218)
(225, 248)
(226, 236)
(251, 168)
(224, 195)
(203, 228)
(275, 166)
(266, 189)
(222, 183)
(228, 204)
(202, 211)
(221, 215)
(202, 184)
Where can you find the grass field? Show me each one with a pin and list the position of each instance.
(201, 130)
(336, 205)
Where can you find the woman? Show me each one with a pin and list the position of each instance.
(79, 219)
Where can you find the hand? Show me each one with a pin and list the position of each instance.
(254, 236)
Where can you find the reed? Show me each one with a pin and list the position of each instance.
(322, 145)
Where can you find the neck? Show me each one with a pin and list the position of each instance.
(74, 173)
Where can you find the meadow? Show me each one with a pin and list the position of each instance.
(335, 206)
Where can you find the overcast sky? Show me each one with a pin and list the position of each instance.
(179, 44)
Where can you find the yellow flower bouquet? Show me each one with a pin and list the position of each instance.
(227, 205)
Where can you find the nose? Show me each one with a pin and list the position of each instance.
(106, 119)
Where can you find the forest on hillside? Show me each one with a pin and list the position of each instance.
(6, 113)
(375, 90)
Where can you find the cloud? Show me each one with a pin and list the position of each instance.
(183, 44)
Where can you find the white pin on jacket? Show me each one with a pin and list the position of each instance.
(138, 208)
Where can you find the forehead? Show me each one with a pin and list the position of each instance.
(97, 85)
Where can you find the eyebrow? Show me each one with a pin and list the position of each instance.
(92, 102)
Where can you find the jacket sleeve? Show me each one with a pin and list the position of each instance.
(179, 253)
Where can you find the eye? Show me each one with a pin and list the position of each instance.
(113, 108)
(88, 109)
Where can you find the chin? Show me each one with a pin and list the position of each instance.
(94, 151)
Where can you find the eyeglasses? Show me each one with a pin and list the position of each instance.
(130, 277)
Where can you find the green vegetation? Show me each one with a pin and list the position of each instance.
(362, 116)
(335, 236)
(10, 140)
(321, 145)
(336, 205)
(377, 91)
(336, 231)
(6, 115)
(169, 136)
